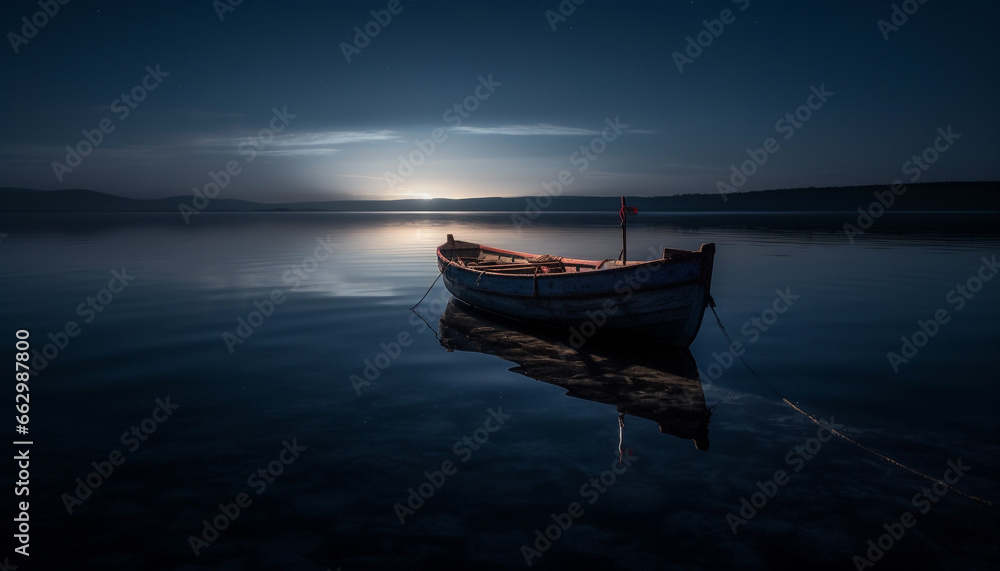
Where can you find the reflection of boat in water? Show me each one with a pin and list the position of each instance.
(657, 383)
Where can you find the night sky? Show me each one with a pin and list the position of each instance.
(499, 101)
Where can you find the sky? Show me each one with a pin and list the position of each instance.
(311, 100)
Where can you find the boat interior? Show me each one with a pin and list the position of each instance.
(485, 259)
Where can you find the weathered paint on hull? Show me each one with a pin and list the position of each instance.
(662, 300)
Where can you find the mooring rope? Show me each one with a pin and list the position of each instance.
(722, 399)
(429, 326)
(440, 273)
(834, 431)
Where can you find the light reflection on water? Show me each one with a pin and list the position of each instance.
(334, 506)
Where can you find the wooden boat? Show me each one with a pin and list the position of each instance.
(659, 300)
(658, 383)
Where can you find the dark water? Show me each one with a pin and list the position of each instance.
(283, 400)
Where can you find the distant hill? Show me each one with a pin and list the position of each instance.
(925, 197)
(81, 200)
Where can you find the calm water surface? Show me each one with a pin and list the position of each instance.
(239, 406)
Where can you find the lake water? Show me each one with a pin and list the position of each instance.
(160, 351)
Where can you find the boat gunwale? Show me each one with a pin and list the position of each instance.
(680, 255)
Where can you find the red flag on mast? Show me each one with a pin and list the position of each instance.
(622, 213)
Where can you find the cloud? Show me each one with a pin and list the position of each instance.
(309, 144)
(538, 129)
(316, 143)
(526, 130)
(368, 177)
(304, 152)
(333, 138)
(306, 140)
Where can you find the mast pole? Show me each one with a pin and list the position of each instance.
(624, 216)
